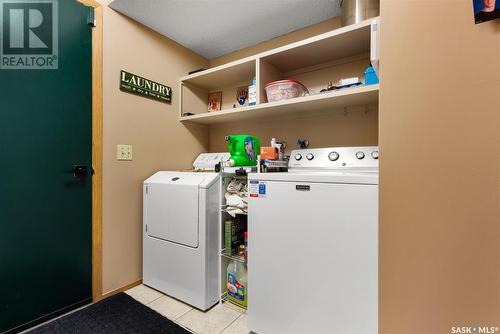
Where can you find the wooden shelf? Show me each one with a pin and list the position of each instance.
(301, 105)
(315, 61)
(334, 45)
(243, 69)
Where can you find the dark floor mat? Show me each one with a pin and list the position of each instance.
(118, 314)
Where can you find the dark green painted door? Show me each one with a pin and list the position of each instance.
(45, 211)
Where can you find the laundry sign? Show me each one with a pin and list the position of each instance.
(138, 85)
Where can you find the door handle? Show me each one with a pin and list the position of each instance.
(78, 171)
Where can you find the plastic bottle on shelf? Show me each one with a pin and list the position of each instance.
(273, 142)
(252, 93)
(237, 283)
(243, 253)
(246, 245)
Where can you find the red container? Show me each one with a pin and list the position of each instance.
(268, 153)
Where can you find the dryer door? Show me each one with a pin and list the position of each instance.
(172, 208)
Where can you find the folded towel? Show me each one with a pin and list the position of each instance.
(235, 197)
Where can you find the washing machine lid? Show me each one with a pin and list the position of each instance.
(345, 177)
(172, 206)
(202, 179)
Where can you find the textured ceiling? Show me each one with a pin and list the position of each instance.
(212, 28)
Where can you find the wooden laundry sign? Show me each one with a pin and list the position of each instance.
(138, 85)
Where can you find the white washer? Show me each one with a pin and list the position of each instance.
(313, 244)
(181, 233)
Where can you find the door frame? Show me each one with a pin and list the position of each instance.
(97, 147)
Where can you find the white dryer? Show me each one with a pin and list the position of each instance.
(313, 244)
(180, 234)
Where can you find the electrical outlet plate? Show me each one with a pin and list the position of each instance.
(124, 152)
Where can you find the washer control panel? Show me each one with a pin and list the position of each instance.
(207, 161)
(335, 158)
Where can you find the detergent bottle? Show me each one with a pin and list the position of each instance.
(237, 283)
(243, 149)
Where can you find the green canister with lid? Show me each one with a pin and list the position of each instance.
(244, 149)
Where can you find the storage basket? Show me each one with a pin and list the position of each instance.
(284, 90)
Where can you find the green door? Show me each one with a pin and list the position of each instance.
(45, 130)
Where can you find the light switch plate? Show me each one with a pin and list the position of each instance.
(124, 152)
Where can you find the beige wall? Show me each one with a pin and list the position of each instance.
(439, 168)
(294, 36)
(335, 128)
(159, 140)
(357, 127)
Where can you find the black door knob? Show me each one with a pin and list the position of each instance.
(80, 171)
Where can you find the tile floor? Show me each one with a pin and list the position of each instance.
(220, 319)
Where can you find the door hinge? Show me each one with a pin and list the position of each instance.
(91, 17)
(146, 228)
(147, 190)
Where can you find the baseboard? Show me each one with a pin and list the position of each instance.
(123, 288)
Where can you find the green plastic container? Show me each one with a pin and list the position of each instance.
(244, 149)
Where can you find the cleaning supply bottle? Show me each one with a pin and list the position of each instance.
(246, 246)
(237, 283)
(245, 234)
(371, 77)
(244, 150)
(252, 93)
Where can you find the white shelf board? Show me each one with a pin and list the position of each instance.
(333, 45)
(336, 44)
(325, 101)
(220, 76)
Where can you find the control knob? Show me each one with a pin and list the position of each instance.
(310, 156)
(298, 156)
(360, 155)
(333, 156)
(375, 154)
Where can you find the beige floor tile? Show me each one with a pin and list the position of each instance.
(212, 322)
(144, 294)
(169, 307)
(238, 327)
(234, 307)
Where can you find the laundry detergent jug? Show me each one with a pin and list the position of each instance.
(237, 283)
(243, 149)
